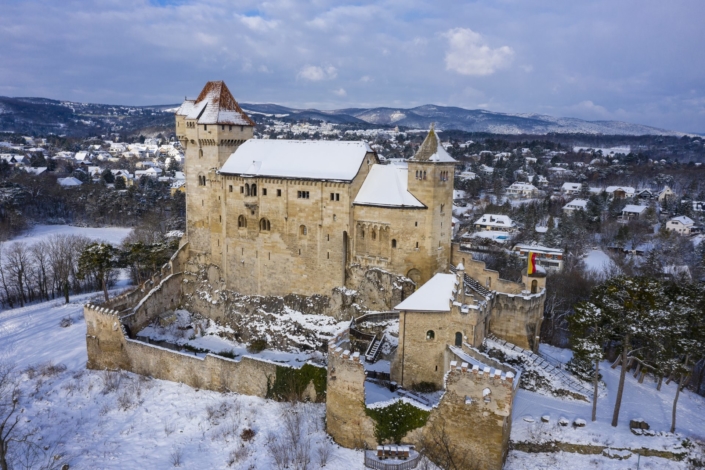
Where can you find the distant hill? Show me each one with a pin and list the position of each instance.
(477, 120)
(43, 116)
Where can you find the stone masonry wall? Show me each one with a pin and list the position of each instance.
(109, 348)
(476, 422)
(517, 318)
(346, 420)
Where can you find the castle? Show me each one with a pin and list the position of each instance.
(304, 222)
(315, 207)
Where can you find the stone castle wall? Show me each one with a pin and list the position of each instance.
(110, 348)
(516, 313)
(475, 422)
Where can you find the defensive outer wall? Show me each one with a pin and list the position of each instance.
(474, 413)
(110, 347)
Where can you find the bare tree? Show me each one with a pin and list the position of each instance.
(445, 452)
(18, 264)
(9, 417)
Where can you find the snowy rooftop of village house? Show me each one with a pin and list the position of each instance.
(215, 105)
(302, 159)
(495, 220)
(576, 204)
(386, 185)
(434, 296)
(683, 219)
(626, 189)
(634, 209)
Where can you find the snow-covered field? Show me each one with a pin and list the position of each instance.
(110, 420)
(113, 235)
(597, 261)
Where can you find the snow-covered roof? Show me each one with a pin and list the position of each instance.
(537, 248)
(495, 220)
(683, 220)
(431, 151)
(386, 185)
(626, 189)
(522, 186)
(570, 187)
(69, 181)
(634, 209)
(434, 296)
(215, 105)
(576, 204)
(301, 159)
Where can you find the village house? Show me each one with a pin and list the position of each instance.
(666, 193)
(549, 258)
(632, 212)
(575, 205)
(522, 190)
(494, 222)
(682, 225)
(620, 192)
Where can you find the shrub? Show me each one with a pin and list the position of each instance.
(393, 422)
(424, 387)
(257, 346)
(247, 434)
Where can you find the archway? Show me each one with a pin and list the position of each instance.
(415, 275)
(458, 339)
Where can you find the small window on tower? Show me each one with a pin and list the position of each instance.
(279, 193)
(264, 191)
(231, 188)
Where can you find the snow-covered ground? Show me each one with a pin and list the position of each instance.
(215, 338)
(113, 235)
(640, 401)
(98, 419)
(597, 261)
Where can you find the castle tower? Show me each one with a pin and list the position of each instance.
(430, 180)
(210, 128)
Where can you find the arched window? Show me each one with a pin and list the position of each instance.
(303, 230)
(247, 190)
(394, 242)
(253, 190)
(201, 180)
(362, 233)
(374, 234)
(242, 222)
(458, 339)
(534, 286)
(430, 335)
(424, 174)
(264, 225)
(200, 153)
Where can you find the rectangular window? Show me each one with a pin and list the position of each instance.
(264, 191)
(302, 194)
(230, 128)
(231, 188)
(337, 196)
(242, 190)
(279, 193)
(332, 196)
(205, 127)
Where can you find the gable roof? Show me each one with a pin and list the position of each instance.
(431, 150)
(300, 159)
(215, 105)
(634, 209)
(386, 185)
(495, 220)
(434, 296)
(683, 220)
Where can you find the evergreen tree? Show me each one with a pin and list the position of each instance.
(108, 176)
(551, 238)
(98, 260)
(632, 308)
(589, 333)
(120, 182)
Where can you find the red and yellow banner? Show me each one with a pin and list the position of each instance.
(531, 268)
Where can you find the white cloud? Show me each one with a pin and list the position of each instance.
(590, 109)
(315, 73)
(257, 23)
(366, 79)
(340, 92)
(469, 55)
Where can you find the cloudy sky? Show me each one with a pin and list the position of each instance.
(634, 60)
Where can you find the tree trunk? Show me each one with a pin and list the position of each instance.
(622, 376)
(675, 400)
(105, 286)
(66, 291)
(660, 382)
(594, 390)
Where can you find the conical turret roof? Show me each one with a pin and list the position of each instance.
(431, 150)
(215, 105)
